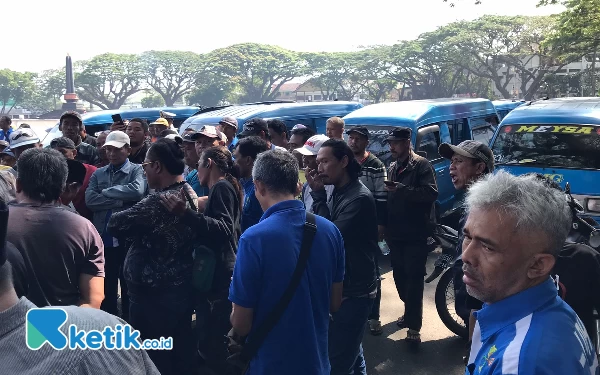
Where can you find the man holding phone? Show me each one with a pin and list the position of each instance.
(412, 191)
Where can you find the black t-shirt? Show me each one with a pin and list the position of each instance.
(578, 270)
(19, 272)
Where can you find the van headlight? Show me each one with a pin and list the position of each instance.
(593, 205)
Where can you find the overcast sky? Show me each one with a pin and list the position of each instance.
(39, 33)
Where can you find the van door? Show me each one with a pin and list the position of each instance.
(428, 141)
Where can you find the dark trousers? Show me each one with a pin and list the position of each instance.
(166, 313)
(212, 325)
(375, 310)
(346, 331)
(114, 257)
(408, 263)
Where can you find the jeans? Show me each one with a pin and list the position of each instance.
(114, 257)
(408, 263)
(375, 310)
(346, 331)
(166, 313)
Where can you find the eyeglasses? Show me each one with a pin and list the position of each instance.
(147, 163)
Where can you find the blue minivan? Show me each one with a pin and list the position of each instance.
(503, 107)
(311, 114)
(433, 121)
(559, 138)
(102, 120)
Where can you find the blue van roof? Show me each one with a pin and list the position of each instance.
(507, 104)
(556, 111)
(417, 112)
(274, 110)
(104, 117)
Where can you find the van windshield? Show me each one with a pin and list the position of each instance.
(378, 141)
(561, 146)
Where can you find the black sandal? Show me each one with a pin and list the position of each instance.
(400, 322)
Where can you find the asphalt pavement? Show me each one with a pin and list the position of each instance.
(440, 351)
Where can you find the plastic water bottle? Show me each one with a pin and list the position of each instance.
(385, 250)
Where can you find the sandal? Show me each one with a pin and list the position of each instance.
(375, 327)
(413, 337)
(400, 322)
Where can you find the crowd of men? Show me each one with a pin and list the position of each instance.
(216, 222)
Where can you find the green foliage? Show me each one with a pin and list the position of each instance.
(108, 80)
(15, 87)
(172, 74)
(256, 68)
(153, 100)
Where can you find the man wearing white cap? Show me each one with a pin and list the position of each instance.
(114, 188)
(20, 140)
(309, 160)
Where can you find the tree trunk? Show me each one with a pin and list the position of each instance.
(593, 67)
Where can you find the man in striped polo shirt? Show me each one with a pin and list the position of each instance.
(514, 232)
(372, 175)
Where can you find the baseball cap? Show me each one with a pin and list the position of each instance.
(76, 171)
(117, 139)
(298, 126)
(312, 145)
(362, 130)
(254, 128)
(4, 143)
(188, 135)
(229, 120)
(73, 114)
(175, 137)
(7, 151)
(23, 137)
(160, 121)
(63, 142)
(470, 149)
(210, 132)
(168, 115)
(399, 134)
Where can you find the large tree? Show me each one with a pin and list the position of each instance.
(499, 48)
(259, 69)
(108, 80)
(372, 67)
(172, 74)
(15, 87)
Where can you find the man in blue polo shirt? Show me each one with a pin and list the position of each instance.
(267, 256)
(5, 128)
(513, 234)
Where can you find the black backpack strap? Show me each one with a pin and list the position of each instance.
(257, 338)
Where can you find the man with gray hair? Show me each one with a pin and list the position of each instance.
(513, 234)
(63, 251)
(266, 259)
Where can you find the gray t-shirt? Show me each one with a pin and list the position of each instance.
(57, 246)
(17, 358)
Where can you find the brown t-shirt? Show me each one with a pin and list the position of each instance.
(57, 246)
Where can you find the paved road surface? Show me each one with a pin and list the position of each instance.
(440, 351)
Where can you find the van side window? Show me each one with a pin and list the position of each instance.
(429, 143)
(483, 134)
(457, 130)
(482, 128)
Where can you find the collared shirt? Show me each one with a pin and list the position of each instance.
(114, 189)
(5, 136)
(192, 179)
(307, 198)
(16, 358)
(87, 154)
(140, 155)
(266, 259)
(251, 211)
(531, 332)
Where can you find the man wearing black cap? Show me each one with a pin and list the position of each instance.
(372, 175)
(412, 191)
(67, 147)
(470, 161)
(71, 126)
(259, 127)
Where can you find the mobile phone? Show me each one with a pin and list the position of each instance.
(389, 183)
(117, 119)
(189, 199)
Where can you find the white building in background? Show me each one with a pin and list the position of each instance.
(514, 85)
